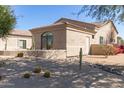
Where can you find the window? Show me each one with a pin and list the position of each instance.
(22, 44)
(113, 40)
(92, 36)
(46, 40)
(101, 40)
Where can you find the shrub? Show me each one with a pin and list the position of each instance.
(0, 77)
(119, 49)
(27, 75)
(20, 55)
(47, 74)
(2, 64)
(37, 70)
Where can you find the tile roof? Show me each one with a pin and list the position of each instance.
(46, 26)
(97, 24)
(85, 25)
(90, 27)
(20, 33)
(100, 24)
(73, 23)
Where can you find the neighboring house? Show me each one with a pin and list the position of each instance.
(17, 40)
(71, 35)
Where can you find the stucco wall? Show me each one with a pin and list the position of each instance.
(12, 42)
(2, 44)
(105, 32)
(59, 36)
(76, 39)
(115, 35)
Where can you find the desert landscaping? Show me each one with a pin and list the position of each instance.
(41, 48)
(64, 73)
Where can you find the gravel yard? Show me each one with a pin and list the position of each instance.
(65, 74)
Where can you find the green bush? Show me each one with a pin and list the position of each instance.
(47, 74)
(27, 75)
(20, 54)
(37, 70)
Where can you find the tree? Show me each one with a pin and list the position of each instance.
(120, 40)
(7, 22)
(104, 12)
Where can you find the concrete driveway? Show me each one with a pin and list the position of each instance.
(111, 60)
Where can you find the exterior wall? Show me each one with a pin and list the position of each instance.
(59, 37)
(12, 42)
(105, 31)
(2, 44)
(76, 39)
(115, 36)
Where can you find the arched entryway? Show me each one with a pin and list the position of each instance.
(47, 40)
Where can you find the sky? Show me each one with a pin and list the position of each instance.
(31, 16)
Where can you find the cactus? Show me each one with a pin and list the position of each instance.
(80, 60)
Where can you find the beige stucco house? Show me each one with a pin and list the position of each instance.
(71, 35)
(16, 40)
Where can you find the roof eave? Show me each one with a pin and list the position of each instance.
(114, 27)
(45, 27)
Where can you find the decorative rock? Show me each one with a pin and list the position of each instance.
(109, 69)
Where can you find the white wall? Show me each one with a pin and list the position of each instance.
(2, 44)
(105, 32)
(12, 42)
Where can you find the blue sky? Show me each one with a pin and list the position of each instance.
(34, 16)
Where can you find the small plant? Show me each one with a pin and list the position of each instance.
(2, 64)
(47, 74)
(20, 54)
(27, 75)
(1, 77)
(37, 70)
(80, 60)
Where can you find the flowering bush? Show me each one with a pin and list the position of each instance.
(119, 49)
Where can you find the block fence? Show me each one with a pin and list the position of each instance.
(97, 49)
(49, 54)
